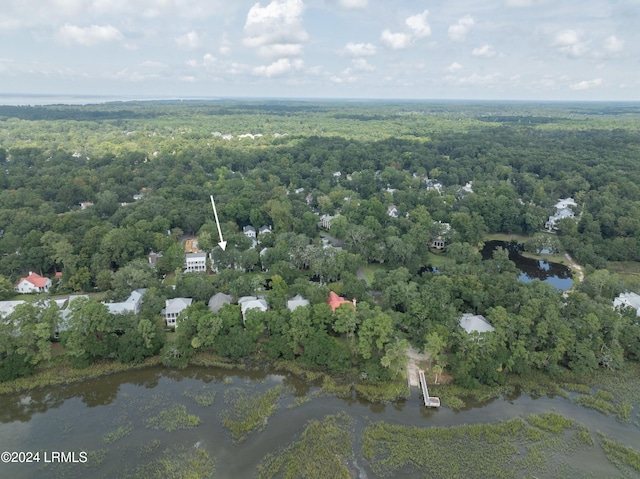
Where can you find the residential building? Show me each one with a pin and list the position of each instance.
(130, 305)
(173, 308)
(297, 302)
(65, 313)
(336, 301)
(251, 302)
(325, 221)
(34, 283)
(563, 210)
(7, 307)
(628, 300)
(475, 323)
(249, 231)
(392, 211)
(437, 243)
(264, 230)
(195, 263)
(217, 301)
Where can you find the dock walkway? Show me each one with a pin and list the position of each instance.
(429, 401)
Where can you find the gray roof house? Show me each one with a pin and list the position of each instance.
(130, 305)
(629, 300)
(173, 308)
(218, 300)
(251, 302)
(475, 323)
(249, 231)
(296, 302)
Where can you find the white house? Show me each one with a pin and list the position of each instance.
(195, 262)
(65, 313)
(130, 305)
(563, 210)
(249, 231)
(7, 307)
(325, 221)
(628, 300)
(264, 230)
(392, 211)
(173, 308)
(297, 302)
(34, 283)
(251, 302)
(475, 323)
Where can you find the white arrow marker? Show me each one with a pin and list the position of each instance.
(222, 243)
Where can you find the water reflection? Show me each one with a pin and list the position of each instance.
(73, 417)
(531, 269)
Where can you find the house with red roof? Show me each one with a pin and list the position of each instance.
(34, 283)
(335, 301)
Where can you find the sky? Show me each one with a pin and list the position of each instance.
(387, 49)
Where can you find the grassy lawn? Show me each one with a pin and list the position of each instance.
(628, 270)
(370, 271)
(549, 258)
(437, 260)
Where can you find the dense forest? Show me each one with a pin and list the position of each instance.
(70, 174)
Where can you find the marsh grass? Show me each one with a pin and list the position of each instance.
(148, 449)
(324, 450)
(212, 360)
(118, 433)
(603, 401)
(514, 448)
(339, 389)
(173, 419)
(248, 412)
(619, 454)
(383, 392)
(576, 388)
(61, 372)
(299, 401)
(176, 463)
(203, 397)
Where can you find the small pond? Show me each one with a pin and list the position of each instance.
(531, 269)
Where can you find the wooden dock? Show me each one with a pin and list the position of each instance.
(429, 401)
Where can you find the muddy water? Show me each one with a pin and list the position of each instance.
(76, 418)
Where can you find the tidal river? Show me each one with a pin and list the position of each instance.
(115, 425)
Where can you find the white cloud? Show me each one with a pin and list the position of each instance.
(89, 35)
(613, 45)
(586, 84)
(278, 68)
(360, 64)
(418, 24)
(353, 3)
(454, 67)
(190, 40)
(459, 30)
(395, 41)
(276, 29)
(569, 43)
(485, 51)
(417, 28)
(478, 80)
(225, 45)
(360, 49)
(343, 79)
